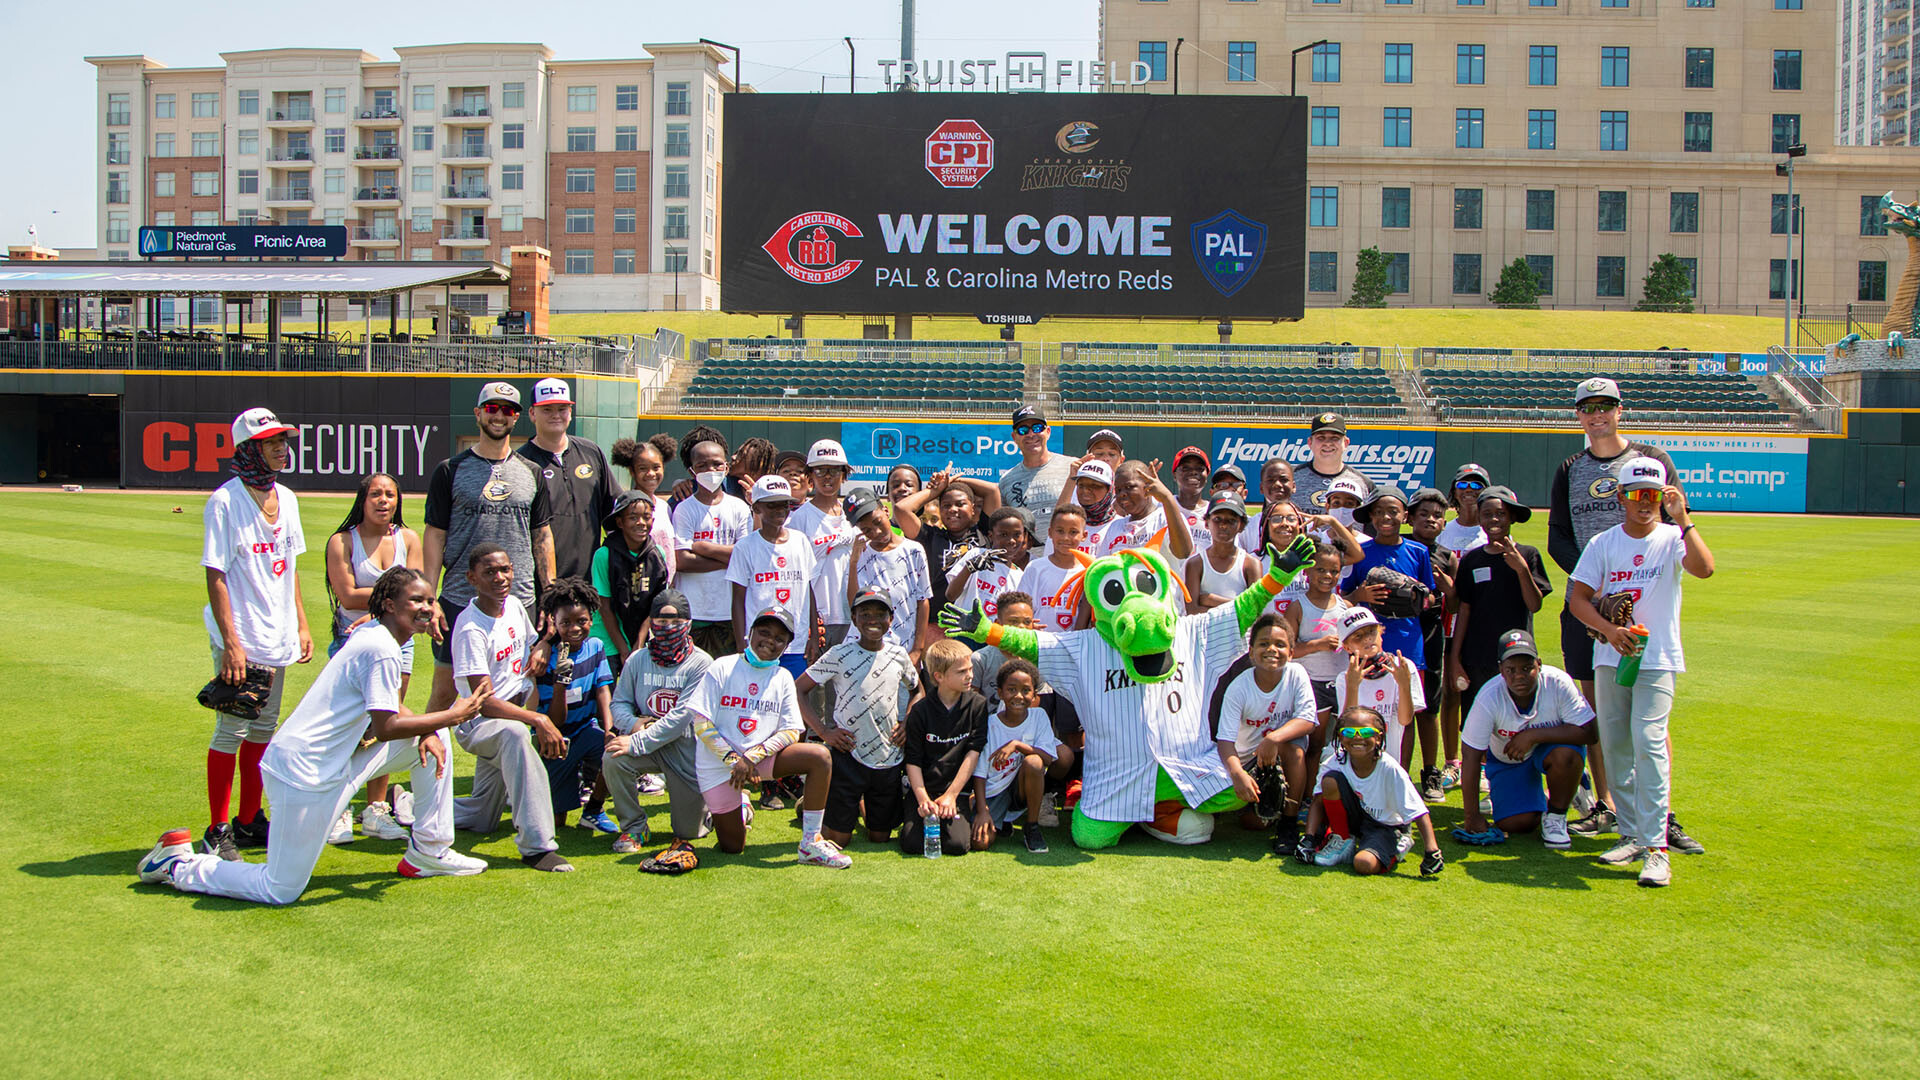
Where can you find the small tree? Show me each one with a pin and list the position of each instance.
(1667, 286)
(1369, 279)
(1519, 286)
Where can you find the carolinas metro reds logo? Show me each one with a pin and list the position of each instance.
(1638, 559)
(807, 247)
(747, 724)
(782, 595)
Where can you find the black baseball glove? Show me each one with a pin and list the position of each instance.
(1405, 597)
(244, 700)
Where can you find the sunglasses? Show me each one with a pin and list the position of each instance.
(500, 408)
(1360, 732)
(1643, 495)
(1469, 485)
(1595, 408)
(1029, 429)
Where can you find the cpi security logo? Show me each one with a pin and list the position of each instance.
(1228, 246)
(807, 247)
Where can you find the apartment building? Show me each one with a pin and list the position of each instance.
(1876, 106)
(1586, 136)
(455, 152)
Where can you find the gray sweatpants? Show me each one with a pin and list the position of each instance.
(1633, 736)
(507, 772)
(228, 731)
(622, 772)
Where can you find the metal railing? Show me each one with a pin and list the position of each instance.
(381, 152)
(932, 407)
(466, 150)
(786, 350)
(389, 232)
(291, 114)
(1804, 392)
(611, 355)
(383, 193)
(289, 194)
(463, 232)
(466, 191)
(1322, 355)
(1600, 361)
(290, 153)
(467, 111)
(379, 114)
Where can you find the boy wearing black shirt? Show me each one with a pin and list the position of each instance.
(946, 733)
(1499, 587)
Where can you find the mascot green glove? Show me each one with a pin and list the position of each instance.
(1140, 680)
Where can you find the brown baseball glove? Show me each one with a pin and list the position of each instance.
(1616, 608)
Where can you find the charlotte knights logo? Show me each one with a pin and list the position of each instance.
(807, 247)
(1228, 246)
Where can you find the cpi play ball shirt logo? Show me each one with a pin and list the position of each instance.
(959, 153)
(807, 247)
(1229, 246)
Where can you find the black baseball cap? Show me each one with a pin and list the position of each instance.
(1472, 469)
(1027, 414)
(670, 604)
(1426, 494)
(871, 596)
(620, 504)
(1108, 435)
(778, 615)
(785, 456)
(1516, 643)
(860, 503)
(1228, 469)
(1520, 511)
(1378, 495)
(1328, 421)
(1229, 502)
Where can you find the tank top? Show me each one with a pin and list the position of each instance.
(1229, 583)
(1318, 622)
(366, 572)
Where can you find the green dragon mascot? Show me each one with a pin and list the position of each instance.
(1140, 679)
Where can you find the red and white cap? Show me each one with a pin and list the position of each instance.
(771, 488)
(1095, 470)
(258, 423)
(552, 392)
(826, 452)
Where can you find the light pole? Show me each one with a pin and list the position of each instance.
(849, 42)
(1176, 65)
(1787, 282)
(1293, 65)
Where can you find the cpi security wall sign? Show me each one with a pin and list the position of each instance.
(1056, 204)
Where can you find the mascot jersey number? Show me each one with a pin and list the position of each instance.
(1140, 680)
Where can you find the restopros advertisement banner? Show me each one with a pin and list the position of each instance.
(177, 430)
(1401, 458)
(1738, 472)
(1015, 205)
(982, 451)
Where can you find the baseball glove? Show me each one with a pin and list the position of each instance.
(1616, 608)
(244, 700)
(1405, 596)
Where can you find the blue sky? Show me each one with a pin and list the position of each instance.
(786, 46)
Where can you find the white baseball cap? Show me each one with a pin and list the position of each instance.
(1596, 387)
(498, 391)
(1642, 472)
(257, 424)
(826, 452)
(1347, 485)
(771, 488)
(1096, 470)
(552, 392)
(1354, 619)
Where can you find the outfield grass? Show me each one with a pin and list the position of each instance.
(1789, 950)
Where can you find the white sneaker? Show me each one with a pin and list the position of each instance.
(1656, 873)
(378, 823)
(821, 851)
(342, 832)
(1338, 850)
(1582, 800)
(416, 863)
(1049, 816)
(1403, 842)
(1486, 806)
(157, 867)
(1627, 850)
(402, 805)
(1553, 831)
(652, 783)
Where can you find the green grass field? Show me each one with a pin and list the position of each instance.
(1791, 949)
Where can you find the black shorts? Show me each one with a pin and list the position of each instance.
(1368, 833)
(1430, 689)
(1324, 697)
(852, 782)
(443, 649)
(1576, 648)
(1477, 678)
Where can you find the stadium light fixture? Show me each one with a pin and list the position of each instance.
(1789, 279)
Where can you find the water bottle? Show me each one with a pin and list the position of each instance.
(1628, 672)
(930, 836)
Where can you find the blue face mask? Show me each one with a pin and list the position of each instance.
(753, 658)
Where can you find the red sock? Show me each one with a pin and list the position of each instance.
(250, 755)
(1336, 811)
(219, 786)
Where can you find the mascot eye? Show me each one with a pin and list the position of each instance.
(1145, 582)
(1114, 591)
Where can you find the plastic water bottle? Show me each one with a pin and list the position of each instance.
(930, 836)
(1628, 672)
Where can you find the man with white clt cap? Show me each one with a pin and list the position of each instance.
(251, 535)
(580, 489)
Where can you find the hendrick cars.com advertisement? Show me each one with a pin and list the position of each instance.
(1021, 204)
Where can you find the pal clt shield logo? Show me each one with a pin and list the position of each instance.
(1228, 246)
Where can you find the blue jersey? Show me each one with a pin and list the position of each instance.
(1411, 558)
(590, 672)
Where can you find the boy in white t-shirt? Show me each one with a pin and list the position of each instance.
(1530, 725)
(1367, 803)
(773, 567)
(980, 575)
(872, 680)
(1045, 578)
(823, 520)
(1010, 777)
(706, 525)
(893, 566)
(1643, 558)
(1262, 729)
(1382, 681)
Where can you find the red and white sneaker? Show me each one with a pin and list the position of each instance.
(418, 864)
(157, 867)
(821, 851)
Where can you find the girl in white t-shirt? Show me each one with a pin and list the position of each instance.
(1366, 803)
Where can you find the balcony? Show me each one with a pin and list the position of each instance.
(467, 151)
(1894, 105)
(383, 235)
(1894, 57)
(119, 157)
(381, 152)
(290, 116)
(1893, 8)
(468, 110)
(119, 118)
(463, 193)
(380, 195)
(1897, 30)
(117, 196)
(1893, 134)
(380, 116)
(461, 235)
(290, 196)
(291, 157)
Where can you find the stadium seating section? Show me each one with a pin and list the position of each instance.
(949, 374)
(1195, 381)
(1680, 397)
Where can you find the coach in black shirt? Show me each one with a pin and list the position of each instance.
(580, 490)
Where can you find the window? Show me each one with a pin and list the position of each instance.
(1610, 276)
(675, 185)
(1786, 5)
(579, 261)
(626, 137)
(1614, 66)
(333, 181)
(709, 184)
(1872, 221)
(335, 98)
(1399, 63)
(206, 183)
(1469, 128)
(1541, 129)
(421, 219)
(117, 192)
(163, 185)
(513, 136)
(674, 226)
(1396, 208)
(163, 106)
(625, 219)
(1326, 62)
(679, 105)
(1152, 53)
(290, 306)
(679, 144)
(1326, 126)
(118, 110)
(1777, 220)
(206, 144)
(1466, 208)
(163, 218)
(1786, 69)
(1786, 131)
(513, 95)
(579, 219)
(1396, 127)
(582, 139)
(583, 98)
(579, 181)
(1542, 266)
(119, 152)
(1543, 65)
(1242, 61)
(1613, 212)
(1613, 3)
(423, 137)
(163, 144)
(1466, 275)
(212, 217)
(1323, 271)
(423, 178)
(675, 261)
(1776, 284)
(1699, 3)
(623, 260)
(1873, 280)
(421, 254)
(1399, 272)
(1470, 65)
(1613, 130)
(1470, 3)
(1696, 137)
(247, 142)
(626, 178)
(1540, 209)
(423, 99)
(208, 105)
(1683, 212)
(1323, 207)
(1699, 69)
(626, 98)
(333, 216)
(513, 177)
(335, 141)
(248, 181)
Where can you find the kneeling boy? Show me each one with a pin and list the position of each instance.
(1531, 725)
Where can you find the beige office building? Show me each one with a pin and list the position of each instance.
(1585, 136)
(452, 152)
